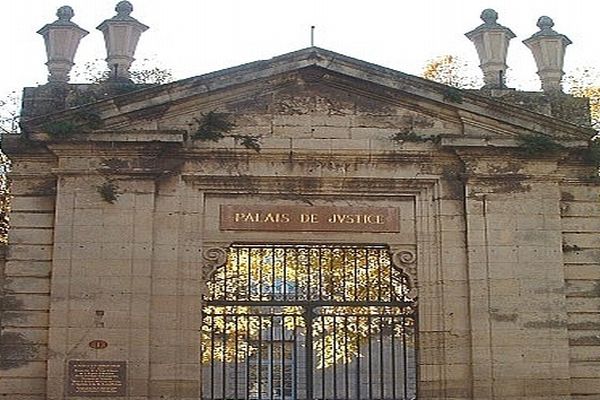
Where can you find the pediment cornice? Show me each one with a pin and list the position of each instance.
(483, 114)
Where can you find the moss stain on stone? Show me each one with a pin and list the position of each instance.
(548, 324)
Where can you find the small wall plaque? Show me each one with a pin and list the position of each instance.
(97, 378)
(98, 344)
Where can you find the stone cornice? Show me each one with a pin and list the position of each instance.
(131, 136)
(473, 107)
(486, 142)
(309, 185)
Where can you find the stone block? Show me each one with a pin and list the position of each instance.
(110, 217)
(116, 251)
(580, 209)
(91, 217)
(31, 219)
(32, 203)
(582, 304)
(582, 271)
(299, 144)
(292, 132)
(580, 224)
(329, 132)
(31, 236)
(25, 335)
(28, 285)
(30, 252)
(22, 385)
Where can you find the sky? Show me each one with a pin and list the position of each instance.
(193, 37)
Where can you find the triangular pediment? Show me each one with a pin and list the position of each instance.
(310, 86)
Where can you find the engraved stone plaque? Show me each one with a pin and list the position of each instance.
(309, 218)
(97, 378)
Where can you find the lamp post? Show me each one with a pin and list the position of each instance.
(121, 35)
(491, 41)
(61, 38)
(548, 48)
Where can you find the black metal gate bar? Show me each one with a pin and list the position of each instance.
(358, 360)
(308, 322)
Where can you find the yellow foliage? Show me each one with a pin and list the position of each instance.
(283, 282)
(4, 198)
(452, 71)
(585, 82)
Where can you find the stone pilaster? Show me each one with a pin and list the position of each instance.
(25, 279)
(518, 308)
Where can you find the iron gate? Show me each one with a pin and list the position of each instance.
(283, 322)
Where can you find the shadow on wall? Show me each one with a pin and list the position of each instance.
(15, 349)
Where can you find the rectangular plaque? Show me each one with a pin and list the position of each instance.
(309, 218)
(97, 378)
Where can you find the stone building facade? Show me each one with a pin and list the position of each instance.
(119, 229)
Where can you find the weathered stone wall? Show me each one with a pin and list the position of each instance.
(484, 220)
(25, 294)
(517, 305)
(580, 212)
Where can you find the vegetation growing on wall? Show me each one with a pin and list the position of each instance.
(109, 191)
(536, 144)
(592, 155)
(10, 106)
(585, 82)
(452, 71)
(82, 121)
(248, 141)
(4, 198)
(214, 126)
(453, 95)
(145, 73)
(410, 136)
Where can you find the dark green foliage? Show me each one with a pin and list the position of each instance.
(77, 98)
(89, 120)
(212, 126)
(103, 86)
(536, 144)
(592, 153)
(109, 191)
(99, 91)
(123, 87)
(410, 136)
(453, 95)
(248, 141)
(60, 129)
(82, 121)
(407, 137)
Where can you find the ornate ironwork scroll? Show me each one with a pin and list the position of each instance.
(212, 258)
(406, 260)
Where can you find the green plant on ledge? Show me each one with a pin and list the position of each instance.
(411, 136)
(212, 126)
(109, 191)
(592, 153)
(248, 141)
(82, 121)
(537, 144)
(89, 120)
(60, 129)
(453, 95)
